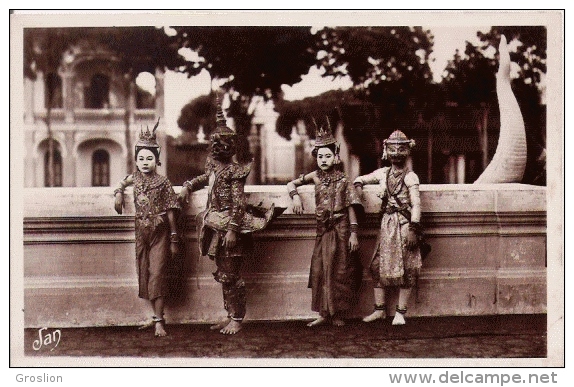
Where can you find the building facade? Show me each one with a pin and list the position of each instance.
(93, 113)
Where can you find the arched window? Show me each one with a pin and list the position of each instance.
(53, 91)
(57, 168)
(100, 168)
(97, 94)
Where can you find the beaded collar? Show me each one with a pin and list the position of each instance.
(326, 177)
(148, 181)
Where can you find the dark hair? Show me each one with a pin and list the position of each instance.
(332, 147)
(153, 150)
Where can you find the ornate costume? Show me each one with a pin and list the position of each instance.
(332, 270)
(393, 263)
(153, 196)
(332, 273)
(226, 210)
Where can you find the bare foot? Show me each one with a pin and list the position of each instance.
(399, 319)
(376, 315)
(338, 322)
(319, 321)
(159, 329)
(220, 324)
(232, 327)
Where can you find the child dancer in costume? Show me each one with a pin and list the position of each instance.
(226, 220)
(397, 258)
(332, 269)
(155, 227)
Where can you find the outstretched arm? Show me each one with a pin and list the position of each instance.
(119, 193)
(192, 185)
(292, 189)
(371, 178)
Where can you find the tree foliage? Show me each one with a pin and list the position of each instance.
(252, 59)
(388, 66)
(376, 58)
(138, 48)
(198, 112)
(392, 84)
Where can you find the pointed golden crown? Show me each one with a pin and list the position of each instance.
(221, 123)
(148, 139)
(323, 136)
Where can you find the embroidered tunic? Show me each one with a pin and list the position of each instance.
(392, 263)
(227, 207)
(153, 197)
(226, 210)
(332, 271)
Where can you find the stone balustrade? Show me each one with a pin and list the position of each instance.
(488, 257)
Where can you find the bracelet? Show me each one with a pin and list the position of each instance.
(302, 178)
(293, 192)
(354, 227)
(358, 184)
(187, 184)
(118, 190)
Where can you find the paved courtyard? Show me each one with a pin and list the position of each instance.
(508, 336)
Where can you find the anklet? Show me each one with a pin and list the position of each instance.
(401, 311)
(380, 306)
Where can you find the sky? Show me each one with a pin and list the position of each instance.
(179, 90)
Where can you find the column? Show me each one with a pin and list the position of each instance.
(460, 169)
(159, 112)
(69, 95)
(451, 171)
(69, 161)
(28, 101)
(300, 140)
(254, 177)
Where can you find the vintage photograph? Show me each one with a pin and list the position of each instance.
(278, 188)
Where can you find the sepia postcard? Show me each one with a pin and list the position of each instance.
(88, 88)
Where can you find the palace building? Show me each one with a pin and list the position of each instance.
(94, 114)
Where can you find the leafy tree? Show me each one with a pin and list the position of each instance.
(198, 112)
(392, 82)
(250, 60)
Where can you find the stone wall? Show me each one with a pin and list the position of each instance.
(488, 257)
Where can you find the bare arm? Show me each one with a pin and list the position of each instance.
(353, 239)
(292, 189)
(191, 186)
(174, 238)
(371, 178)
(119, 193)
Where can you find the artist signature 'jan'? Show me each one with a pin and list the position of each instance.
(47, 339)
